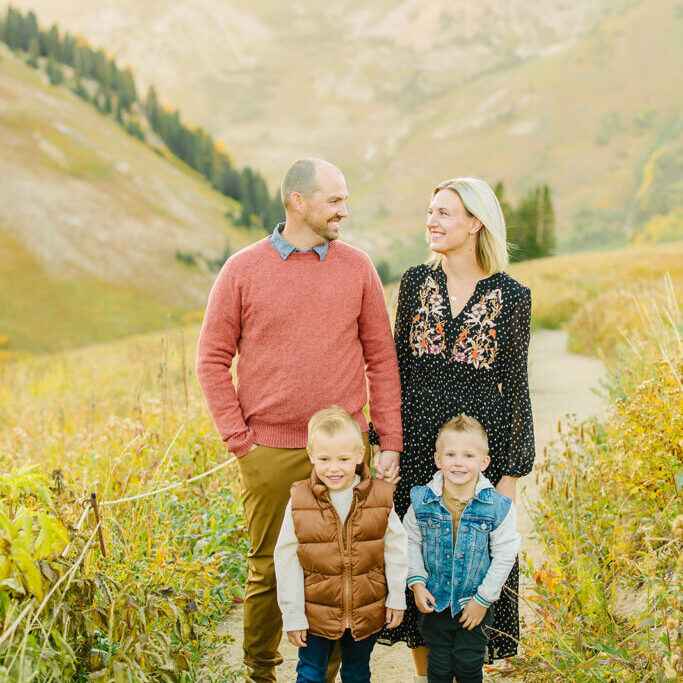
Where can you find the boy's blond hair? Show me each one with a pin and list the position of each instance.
(330, 421)
(465, 424)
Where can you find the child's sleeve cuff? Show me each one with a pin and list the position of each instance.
(481, 601)
(412, 580)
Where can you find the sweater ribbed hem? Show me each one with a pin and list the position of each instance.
(290, 436)
(391, 442)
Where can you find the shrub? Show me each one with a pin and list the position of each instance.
(607, 598)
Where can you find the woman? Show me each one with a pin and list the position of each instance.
(462, 335)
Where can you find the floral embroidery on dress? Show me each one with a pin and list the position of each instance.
(427, 333)
(476, 343)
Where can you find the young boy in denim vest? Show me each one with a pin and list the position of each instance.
(462, 544)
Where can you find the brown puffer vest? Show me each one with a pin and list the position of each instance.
(343, 566)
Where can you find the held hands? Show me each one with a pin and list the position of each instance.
(424, 600)
(393, 617)
(386, 465)
(472, 614)
(297, 638)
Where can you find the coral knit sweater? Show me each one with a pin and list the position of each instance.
(306, 334)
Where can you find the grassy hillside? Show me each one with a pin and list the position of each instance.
(91, 222)
(574, 94)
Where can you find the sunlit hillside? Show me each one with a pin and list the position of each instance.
(92, 221)
(403, 94)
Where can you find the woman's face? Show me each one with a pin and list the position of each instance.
(448, 222)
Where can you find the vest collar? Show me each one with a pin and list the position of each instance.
(361, 489)
(434, 490)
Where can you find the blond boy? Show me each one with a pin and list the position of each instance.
(341, 557)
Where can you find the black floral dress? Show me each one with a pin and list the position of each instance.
(475, 363)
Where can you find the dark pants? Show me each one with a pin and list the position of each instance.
(355, 658)
(453, 650)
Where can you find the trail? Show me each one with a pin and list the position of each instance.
(561, 383)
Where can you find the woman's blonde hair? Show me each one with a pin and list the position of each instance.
(481, 202)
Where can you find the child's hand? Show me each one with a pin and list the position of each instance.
(424, 600)
(297, 638)
(472, 614)
(393, 617)
(391, 474)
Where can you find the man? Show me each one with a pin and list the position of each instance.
(307, 317)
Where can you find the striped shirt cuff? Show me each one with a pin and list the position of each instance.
(481, 601)
(416, 579)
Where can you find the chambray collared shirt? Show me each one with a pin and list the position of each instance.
(284, 248)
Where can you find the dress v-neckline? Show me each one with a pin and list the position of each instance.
(452, 317)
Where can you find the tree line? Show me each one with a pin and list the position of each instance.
(95, 77)
(530, 224)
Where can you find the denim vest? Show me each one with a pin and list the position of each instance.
(455, 574)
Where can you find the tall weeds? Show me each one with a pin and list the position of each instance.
(607, 598)
(119, 420)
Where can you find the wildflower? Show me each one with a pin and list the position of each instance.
(672, 623)
(436, 299)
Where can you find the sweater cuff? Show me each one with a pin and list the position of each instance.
(412, 580)
(240, 445)
(391, 442)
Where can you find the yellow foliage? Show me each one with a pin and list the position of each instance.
(662, 228)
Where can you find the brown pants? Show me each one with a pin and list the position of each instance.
(266, 475)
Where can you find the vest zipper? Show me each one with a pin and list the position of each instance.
(346, 541)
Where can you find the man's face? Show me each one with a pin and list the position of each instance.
(326, 207)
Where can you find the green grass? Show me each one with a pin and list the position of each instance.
(40, 313)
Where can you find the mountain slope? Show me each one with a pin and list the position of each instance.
(92, 220)
(402, 94)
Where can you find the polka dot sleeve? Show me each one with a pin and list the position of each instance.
(521, 452)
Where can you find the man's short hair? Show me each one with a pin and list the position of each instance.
(465, 424)
(300, 177)
(330, 421)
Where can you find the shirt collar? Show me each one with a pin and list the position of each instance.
(435, 487)
(284, 248)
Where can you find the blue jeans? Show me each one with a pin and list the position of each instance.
(355, 658)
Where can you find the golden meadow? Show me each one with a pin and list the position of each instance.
(126, 419)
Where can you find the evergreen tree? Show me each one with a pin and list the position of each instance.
(52, 44)
(33, 52)
(152, 108)
(13, 28)
(54, 73)
(546, 223)
(28, 30)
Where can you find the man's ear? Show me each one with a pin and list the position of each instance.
(297, 202)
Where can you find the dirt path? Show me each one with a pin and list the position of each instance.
(561, 383)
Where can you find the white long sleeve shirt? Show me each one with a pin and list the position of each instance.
(290, 575)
